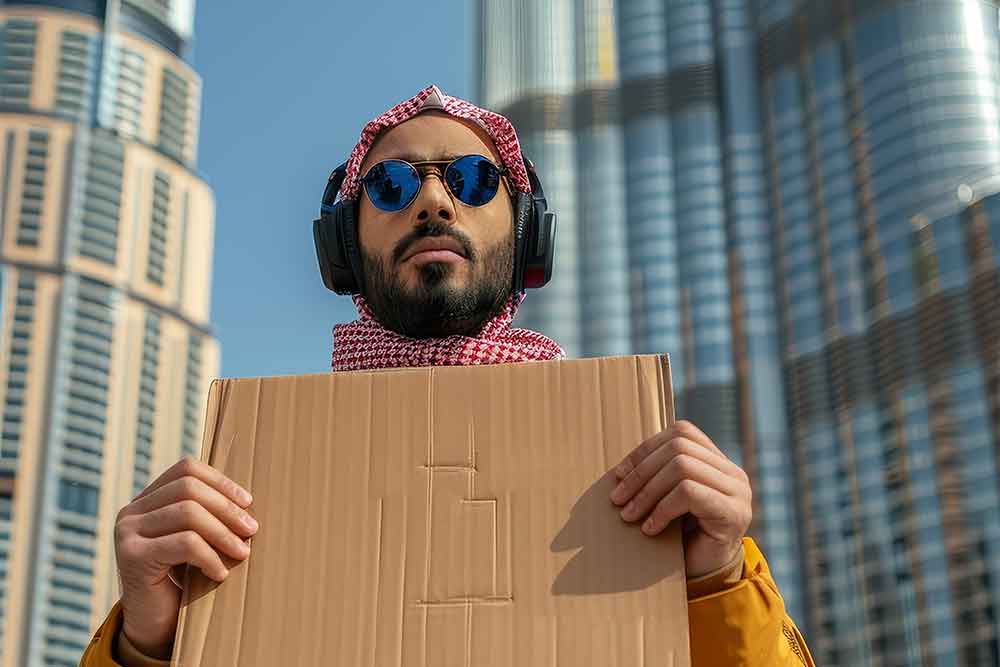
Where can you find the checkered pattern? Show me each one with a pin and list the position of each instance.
(496, 126)
(366, 345)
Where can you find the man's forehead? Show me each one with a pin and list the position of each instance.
(431, 136)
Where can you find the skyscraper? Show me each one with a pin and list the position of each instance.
(106, 233)
(803, 201)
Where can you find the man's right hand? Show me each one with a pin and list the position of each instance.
(192, 514)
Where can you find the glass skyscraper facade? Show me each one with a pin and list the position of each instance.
(106, 233)
(796, 200)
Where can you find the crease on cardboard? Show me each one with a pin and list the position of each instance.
(468, 634)
(510, 544)
(371, 429)
(245, 579)
(603, 424)
(555, 641)
(328, 481)
(402, 587)
(642, 636)
(466, 601)
(378, 582)
(505, 381)
(641, 385)
(429, 458)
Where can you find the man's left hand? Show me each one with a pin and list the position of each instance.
(679, 472)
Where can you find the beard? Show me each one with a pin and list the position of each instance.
(434, 308)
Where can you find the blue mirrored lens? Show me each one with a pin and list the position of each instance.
(392, 184)
(473, 179)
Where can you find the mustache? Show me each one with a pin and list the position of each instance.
(430, 230)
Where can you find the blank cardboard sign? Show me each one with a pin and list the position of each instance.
(440, 517)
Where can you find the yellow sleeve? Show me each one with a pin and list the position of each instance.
(100, 652)
(746, 624)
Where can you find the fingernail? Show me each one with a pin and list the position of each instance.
(244, 549)
(250, 522)
(627, 512)
(616, 495)
(245, 496)
(622, 469)
(648, 526)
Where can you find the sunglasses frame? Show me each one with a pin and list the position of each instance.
(424, 168)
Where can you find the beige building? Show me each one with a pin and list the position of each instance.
(106, 351)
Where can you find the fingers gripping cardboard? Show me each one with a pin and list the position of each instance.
(440, 517)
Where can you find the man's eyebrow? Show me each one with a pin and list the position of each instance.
(424, 157)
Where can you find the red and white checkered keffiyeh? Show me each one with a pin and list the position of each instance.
(365, 344)
(430, 98)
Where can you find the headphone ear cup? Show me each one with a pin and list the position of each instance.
(347, 233)
(541, 249)
(334, 235)
(533, 268)
(523, 216)
(534, 243)
(323, 229)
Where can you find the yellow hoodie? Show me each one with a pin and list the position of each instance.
(737, 617)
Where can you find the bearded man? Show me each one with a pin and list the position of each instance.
(440, 226)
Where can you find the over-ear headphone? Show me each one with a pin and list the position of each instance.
(335, 233)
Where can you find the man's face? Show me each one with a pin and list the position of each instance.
(410, 284)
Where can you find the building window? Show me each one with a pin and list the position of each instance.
(193, 398)
(77, 63)
(17, 375)
(33, 189)
(129, 93)
(174, 114)
(102, 200)
(158, 229)
(158, 8)
(6, 512)
(77, 497)
(147, 403)
(17, 55)
(91, 328)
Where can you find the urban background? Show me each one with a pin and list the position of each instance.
(796, 199)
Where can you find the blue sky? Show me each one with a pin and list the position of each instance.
(287, 88)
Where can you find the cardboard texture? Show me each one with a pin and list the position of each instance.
(441, 517)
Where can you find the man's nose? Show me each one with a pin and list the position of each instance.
(434, 202)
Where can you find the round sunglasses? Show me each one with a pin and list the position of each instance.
(392, 185)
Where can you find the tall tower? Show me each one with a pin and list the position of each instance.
(106, 233)
(807, 196)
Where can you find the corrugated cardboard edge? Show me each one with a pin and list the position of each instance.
(218, 395)
(667, 389)
(218, 399)
(666, 379)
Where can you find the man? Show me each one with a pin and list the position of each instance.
(438, 187)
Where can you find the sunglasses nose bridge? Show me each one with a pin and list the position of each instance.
(424, 171)
(434, 198)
